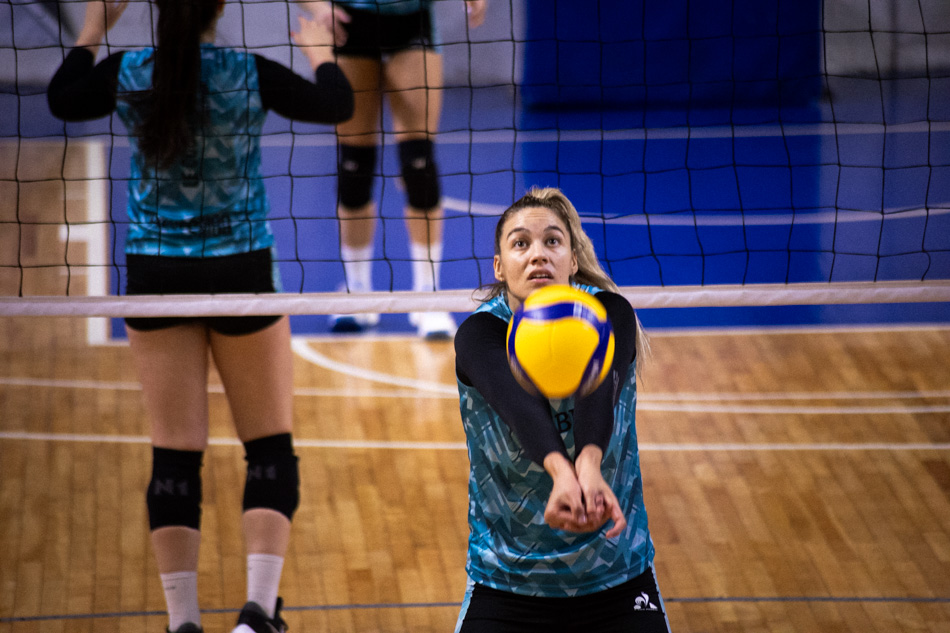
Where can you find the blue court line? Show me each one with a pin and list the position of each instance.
(839, 599)
(429, 605)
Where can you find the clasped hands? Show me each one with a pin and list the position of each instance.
(581, 500)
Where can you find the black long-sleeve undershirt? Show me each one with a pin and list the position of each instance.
(482, 362)
(82, 90)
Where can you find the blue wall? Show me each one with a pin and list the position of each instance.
(671, 53)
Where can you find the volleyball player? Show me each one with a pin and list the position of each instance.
(197, 224)
(388, 48)
(558, 540)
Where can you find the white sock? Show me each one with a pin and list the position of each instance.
(358, 266)
(426, 262)
(181, 598)
(263, 580)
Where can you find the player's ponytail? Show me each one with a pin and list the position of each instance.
(589, 270)
(168, 127)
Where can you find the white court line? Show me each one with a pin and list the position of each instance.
(93, 233)
(685, 402)
(460, 446)
(724, 396)
(770, 410)
(798, 395)
(303, 349)
(106, 385)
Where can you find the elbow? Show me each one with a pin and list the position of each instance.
(62, 104)
(58, 106)
(345, 106)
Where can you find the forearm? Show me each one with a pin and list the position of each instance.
(318, 55)
(594, 414)
(481, 362)
(588, 460)
(100, 16)
(557, 465)
(90, 37)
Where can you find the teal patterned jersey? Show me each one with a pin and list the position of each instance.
(397, 7)
(510, 546)
(210, 202)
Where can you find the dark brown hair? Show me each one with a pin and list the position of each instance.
(167, 129)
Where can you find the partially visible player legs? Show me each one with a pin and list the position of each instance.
(357, 228)
(257, 372)
(425, 234)
(172, 364)
(357, 151)
(413, 80)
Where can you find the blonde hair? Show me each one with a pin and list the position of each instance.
(589, 270)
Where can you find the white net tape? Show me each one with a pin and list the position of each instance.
(465, 300)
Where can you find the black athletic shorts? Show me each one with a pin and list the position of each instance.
(375, 35)
(242, 273)
(633, 607)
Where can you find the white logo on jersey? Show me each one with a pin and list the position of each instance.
(642, 603)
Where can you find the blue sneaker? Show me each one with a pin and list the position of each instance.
(353, 323)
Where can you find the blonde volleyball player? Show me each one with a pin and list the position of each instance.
(389, 49)
(198, 224)
(559, 541)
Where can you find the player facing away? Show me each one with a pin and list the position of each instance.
(389, 51)
(559, 539)
(198, 224)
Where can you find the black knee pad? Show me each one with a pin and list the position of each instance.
(273, 481)
(420, 174)
(355, 175)
(174, 493)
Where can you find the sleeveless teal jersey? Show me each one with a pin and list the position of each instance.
(510, 546)
(210, 202)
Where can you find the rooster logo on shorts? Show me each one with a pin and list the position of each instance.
(642, 603)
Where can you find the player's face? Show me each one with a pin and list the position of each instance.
(535, 251)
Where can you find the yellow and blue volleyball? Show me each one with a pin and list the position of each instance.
(560, 342)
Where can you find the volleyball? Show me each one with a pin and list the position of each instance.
(560, 342)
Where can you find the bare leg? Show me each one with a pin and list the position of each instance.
(414, 89)
(413, 81)
(257, 372)
(172, 365)
(358, 226)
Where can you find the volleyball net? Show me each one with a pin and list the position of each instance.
(733, 153)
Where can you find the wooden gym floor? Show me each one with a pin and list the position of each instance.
(796, 481)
